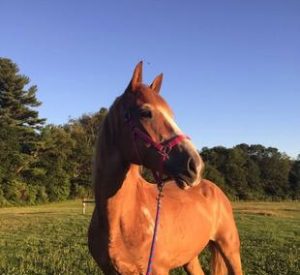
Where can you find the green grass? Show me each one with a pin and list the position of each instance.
(52, 239)
(270, 237)
(47, 239)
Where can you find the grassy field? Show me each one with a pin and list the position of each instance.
(51, 239)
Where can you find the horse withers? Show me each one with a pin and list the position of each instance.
(139, 130)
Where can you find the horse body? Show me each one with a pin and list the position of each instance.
(122, 224)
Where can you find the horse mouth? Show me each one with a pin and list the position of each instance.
(181, 182)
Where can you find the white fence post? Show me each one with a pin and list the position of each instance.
(83, 206)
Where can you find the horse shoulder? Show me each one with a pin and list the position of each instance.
(212, 191)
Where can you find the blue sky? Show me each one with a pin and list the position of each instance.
(231, 68)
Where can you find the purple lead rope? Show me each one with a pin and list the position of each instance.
(164, 149)
(160, 189)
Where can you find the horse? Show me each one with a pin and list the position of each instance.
(195, 212)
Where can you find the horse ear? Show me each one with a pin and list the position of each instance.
(137, 77)
(156, 84)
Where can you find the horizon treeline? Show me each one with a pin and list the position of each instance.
(42, 162)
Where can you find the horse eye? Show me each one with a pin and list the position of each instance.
(145, 113)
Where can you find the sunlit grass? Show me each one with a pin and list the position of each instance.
(47, 239)
(52, 239)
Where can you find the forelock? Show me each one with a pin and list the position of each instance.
(147, 96)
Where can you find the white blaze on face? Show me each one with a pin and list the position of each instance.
(177, 131)
(170, 120)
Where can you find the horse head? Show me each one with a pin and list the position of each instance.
(149, 136)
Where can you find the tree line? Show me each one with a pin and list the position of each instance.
(41, 162)
(253, 172)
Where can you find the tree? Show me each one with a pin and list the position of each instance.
(17, 101)
(19, 124)
(54, 168)
(235, 172)
(294, 179)
(274, 167)
(84, 132)
(252, 171)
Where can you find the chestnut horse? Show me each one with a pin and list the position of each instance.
(194, 211)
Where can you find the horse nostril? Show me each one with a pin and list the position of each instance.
(191, 166)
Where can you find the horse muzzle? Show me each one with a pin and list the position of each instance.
(184, 165)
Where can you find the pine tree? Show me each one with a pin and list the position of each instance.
(16, 100)
(19, 125)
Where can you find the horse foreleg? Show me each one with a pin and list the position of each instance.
(193, 267)
(232, 259)
(93, 238)
(95, 247)
(229, 245)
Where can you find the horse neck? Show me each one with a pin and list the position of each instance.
(116, 180)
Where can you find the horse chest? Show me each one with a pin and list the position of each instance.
(127, 255)
(134, 232)
(129, 241)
